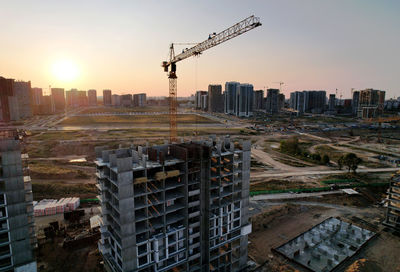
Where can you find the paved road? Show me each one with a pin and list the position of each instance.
(291, 196)
(322, 172)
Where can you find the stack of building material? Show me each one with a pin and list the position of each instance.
(60, 205)
(53, 206)
(73, 204)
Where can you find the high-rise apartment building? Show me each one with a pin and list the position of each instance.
(355, 101)
(115, 100)
(215, 98)
(297, 102)
(314, 101)
(17, 234)
(371, 103)
(75, 98)
(175, 207)
(8, 102)
(46, 106)
(58, 100)
(23, 93)
(244, 100)
(230, 103)
(308, 101)
(272, 105)
(204, 102)
(258, 100)
(37, 100)
(107, 98)
(92, 97)
(332, 102)
(126, 100)
(37, 96)
(139, 100)
(281, 101)
(198, 98)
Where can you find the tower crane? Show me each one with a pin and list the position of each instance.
(214, 39)
(280, 85)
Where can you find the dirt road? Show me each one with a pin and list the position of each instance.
(304, 172)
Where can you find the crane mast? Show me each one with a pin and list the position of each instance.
(213, 40)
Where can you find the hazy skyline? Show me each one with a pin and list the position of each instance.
(119, 45)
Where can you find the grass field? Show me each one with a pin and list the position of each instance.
(134, 109)
(58, 190)
(333, 153)
(135, 119)
(49, 170)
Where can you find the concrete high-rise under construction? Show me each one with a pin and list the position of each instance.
(17, 234)
(180, 207)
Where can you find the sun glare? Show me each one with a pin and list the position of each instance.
(65, 70)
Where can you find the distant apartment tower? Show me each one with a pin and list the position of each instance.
(297, 102)
(331, 102)
(92, 97)
(175, 207)
(308, 101)
(272, 105)
(23, 93)
(139, 100)
(37, 96)
(107, 98)
(17, 233)
(230, 101)
(58, 100)
(76, 98)
(126, 100)
(115, 100)
(46, 107)
(37, 100)
(314, 101)
(8, 101)
(215, 98)
(198, 96)
(355, 101)
(204, 102)
(371, 103)
(281, 101)
(244, 100)
(258, 100)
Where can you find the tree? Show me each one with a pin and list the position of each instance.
(325, 159)
(291, 145)
(316, 157)
(351, 161)
(340, 162)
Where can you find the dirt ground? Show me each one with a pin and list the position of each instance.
(276, 223)
(51, 257)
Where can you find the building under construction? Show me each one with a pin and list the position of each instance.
(393, 205)
(371, 103)
(17, 230)
(175, 207)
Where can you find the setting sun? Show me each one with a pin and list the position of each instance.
(65, 70)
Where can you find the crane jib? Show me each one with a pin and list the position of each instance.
(216, 39)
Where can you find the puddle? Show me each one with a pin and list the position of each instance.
(78, 160)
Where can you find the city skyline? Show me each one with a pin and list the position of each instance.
(343, 45)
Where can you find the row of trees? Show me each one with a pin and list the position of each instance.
(291, 146)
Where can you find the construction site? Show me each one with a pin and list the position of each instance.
(280, 193)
